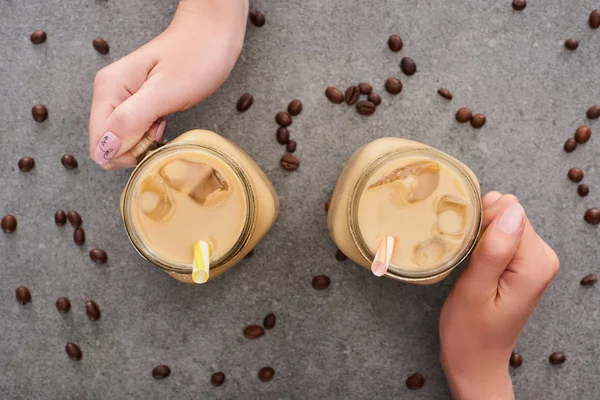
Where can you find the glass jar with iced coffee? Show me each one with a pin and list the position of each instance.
(405, 210)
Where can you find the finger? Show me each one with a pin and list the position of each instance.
(490, 198)
(490, 213)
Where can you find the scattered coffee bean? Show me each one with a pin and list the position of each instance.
(593, 112)
(283, 118)
(588, 280)
(266, 374)
(26, 164)
(68, 161)
(557, 358)
(23, 295)
(340, 256)
(161, 372)
(98, 256)
(365, 107)
(39, 37)
(63, 305)
(365, 88)
(217, 379)
(283, 135)
(327, 204)
(395, 43)
(582, 134)
(393, 85)
(321, 282)
(245, 102)
(269, 321)
(571, 44)
(519, 4)
(257, 18)
(415, 381)
(60, 218)
(295, 107)
(575, 174)
(445, 93)
(74, 218)
(583, 190)
(408, 66)
(352, 95)
(250, 254)
(374, 98)
(39, 112)
(291, 146)
(570, 145)
(592, 216)
(100, 45)
(595, 19)
(73, 351)
(253, 331)
(79, 236)
(334, 95)
(478, 121)
(92, 310)
(516, 360)
(9, 224)
(464, 115)
(290, 162)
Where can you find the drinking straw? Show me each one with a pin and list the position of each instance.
(201, 265)
(383, 257)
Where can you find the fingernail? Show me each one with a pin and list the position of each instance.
(161, 130)
(378, 268)
(108, 147)
(510, 221)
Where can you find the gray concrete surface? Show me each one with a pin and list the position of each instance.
(363, 336)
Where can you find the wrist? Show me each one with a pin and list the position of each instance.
(482, 386)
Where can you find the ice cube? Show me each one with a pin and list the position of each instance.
(430, 252)
(413, 182)
(199, 180)
(155, 200)
(452, 214)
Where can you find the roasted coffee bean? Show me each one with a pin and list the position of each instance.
(445, 93)
(321, 282)
(73, 351)
(79, 236)
(592, 216)
(519, 4)
(570, 145)
(593, 112)
(575, 174)
(39, 112)
(253, 331)
(295, 107)
(352, 95)
(571, 44)
(415, 381)
(588, 280)
(516, 360)
(257, 18)
(408, 66)
(217, 379)
(26, 164)
(557, 358)
(365, 107)
(478, 121)
(583, 134)
(583, 190)
(23, 295)
(334, 95)
(269, 321)
(365, 88)
(249, 254)
(39, 37)
(464, 115)
(266, 374)
(290, 162)
(63, 305)
(283, 118)
(340, 256)
(283, 135)
(74, 218)
(68, 161)
(395, 43)
(98, 256)
(9, 224)
(161, 372)
(100, 45)
(245, 102)
(291, 146)
(595, 19)
(60, 218)
(327, 204)
(374, 98)
(393, 85)
(92, 310)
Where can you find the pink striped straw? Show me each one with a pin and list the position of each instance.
(383, 257)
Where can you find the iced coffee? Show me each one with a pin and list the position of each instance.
(427, 201)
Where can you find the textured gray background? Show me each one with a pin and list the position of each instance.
(363, 336)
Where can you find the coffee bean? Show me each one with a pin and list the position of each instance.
(478, 121)
(592, 216)
(583, 190)
(327, 204)
(245, 102)
(283, 118)
(445, 93)
(575, 174)
(516, 360)
(588, 280)
(415, 381)
(393, 85)
(290, 162)
(593, 112)
(161, 372)
(321, 282)
(365, 107)
(582, 134)
(283, 135)
(39, 37)
(92, 310)
(365, 88)
(257, 18)
(464, 115)
(269, 321)
(340, 256)
(98, 256)
(63, 305)
(334, 95)
(68, 161)
(374, 98)
(295, 107)
(395, 43)
(73, 351)
(352, 95)
(519, 4)
(60, 218)
(23, 295)
(100, 45)
(26, 164)
(266, 374)
(291, 146)
(253, 331)
(571, 44)
(408, 66)
(39, 112)
(217, 379)
(79, 236)
(249, 254)
(557, 358)
(74, 218)
(9, 224)
(595, 19)
(570, 145)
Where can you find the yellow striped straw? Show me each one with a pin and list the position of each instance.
(201, 268)
(383, 257)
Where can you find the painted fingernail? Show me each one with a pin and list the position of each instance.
(511, 219)
(161, 130)
(108, 147)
